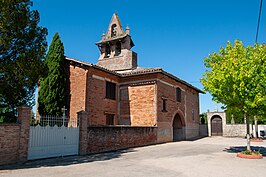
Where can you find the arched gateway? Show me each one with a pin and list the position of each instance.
(178, 128)
(216, 126)
(216, 123)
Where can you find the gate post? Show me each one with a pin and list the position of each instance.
(83, 132)
(24, 116)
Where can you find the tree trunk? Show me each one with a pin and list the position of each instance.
(248, 133)
(256, 127)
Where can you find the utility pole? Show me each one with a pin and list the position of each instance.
(258, 26)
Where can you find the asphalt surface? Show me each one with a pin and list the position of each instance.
(207, 157)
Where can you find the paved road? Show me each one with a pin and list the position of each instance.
(207, 157)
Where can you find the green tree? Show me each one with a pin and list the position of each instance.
(237, 113)
(52, 86)
(237, 78)
(203, 118)
(22, 49)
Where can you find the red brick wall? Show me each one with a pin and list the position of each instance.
(87, 86)
(165, 119)
(102, 139)
(137, 101)
(14, 138)
(77, 90)
(140, 77)
(137, 104)
(189, 102)
(9, 143)
(97, 105)
(192, 107)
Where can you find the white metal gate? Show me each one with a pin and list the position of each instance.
(53, 137)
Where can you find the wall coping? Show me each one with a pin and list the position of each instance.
(9, 124)
(119, 126)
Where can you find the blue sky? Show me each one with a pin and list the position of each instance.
(173, 34)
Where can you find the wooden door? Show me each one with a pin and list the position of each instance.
(216, 127)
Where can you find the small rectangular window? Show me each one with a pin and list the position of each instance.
(178, 94)
(164, 105)
(110, 119)
(110, 90)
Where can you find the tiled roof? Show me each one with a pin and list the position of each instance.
(182, 81)
(78, 61)
(140, 71)
(135, 72)
(92, 65)
(112, 38)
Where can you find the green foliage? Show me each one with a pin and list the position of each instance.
(203, 118)
(237, 77)
(261, 119)
(7, 115)
(52, 87)
(22, 49)
(248, 152)
(238, 116)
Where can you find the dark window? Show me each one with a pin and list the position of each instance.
(178, 94)
(110, 119)
(107, 51)
(110, 90)
(164, 105)
(113, 30)
(118, 48)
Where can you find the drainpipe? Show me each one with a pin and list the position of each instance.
(155, 105)
(118, 104)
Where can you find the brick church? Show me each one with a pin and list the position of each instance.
(116, 91)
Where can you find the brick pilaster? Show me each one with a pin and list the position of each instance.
(24, 116)
(83, 132)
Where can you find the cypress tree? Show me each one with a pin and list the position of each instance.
(52, 87)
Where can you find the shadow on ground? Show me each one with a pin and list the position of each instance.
(65, 161)
(196, 138)
(237, 149)
(191, 139)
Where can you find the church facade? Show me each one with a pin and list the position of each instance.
(117, 92)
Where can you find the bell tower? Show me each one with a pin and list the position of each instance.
(115, 48)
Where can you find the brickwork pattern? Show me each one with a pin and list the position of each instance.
(14, 138)
(126, 60)
(83, 132)
(77, 93)
(9, 143)
(138, 105)
(97, 104)
(101, 139)
(24, 116)
(186, 109)
(139, 100)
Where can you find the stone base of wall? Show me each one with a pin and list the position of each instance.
(238, 130)
(192, 133)
(203, 130)
(164, 135)
(102, 139)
